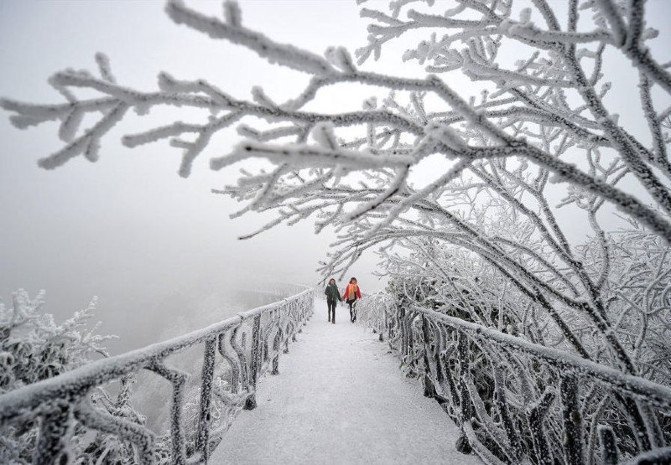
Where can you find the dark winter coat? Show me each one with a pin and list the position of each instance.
(332, 292)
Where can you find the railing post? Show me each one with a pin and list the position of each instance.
(404, 333)
(429, 388)
(233, 363)
(264, 347)
(462, 357)
(250, 403)
(535, 416)
(242, 358)
(572, 418)
(277, 342)
(381, 325)
(502, 406)
(608, 441)
(178, 381)
(53, 429)
(203, 437)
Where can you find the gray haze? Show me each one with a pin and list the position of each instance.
(160, 251)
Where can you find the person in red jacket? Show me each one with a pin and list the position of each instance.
(351, 295)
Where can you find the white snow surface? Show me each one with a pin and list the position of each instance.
(340, 398)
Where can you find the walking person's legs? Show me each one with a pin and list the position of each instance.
(331, 306)
(351, 311)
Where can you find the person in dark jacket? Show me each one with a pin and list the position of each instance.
(332, 298)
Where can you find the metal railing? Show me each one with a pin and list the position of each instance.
(520, 402)
(230, 371)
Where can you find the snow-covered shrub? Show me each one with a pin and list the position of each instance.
(638, 291)
(33, 347)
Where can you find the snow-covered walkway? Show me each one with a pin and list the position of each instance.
(340, 398)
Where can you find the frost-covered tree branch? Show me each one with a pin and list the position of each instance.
(533, 93)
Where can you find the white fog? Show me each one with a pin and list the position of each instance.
(159, 251)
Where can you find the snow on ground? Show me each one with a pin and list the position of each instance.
(340, 398)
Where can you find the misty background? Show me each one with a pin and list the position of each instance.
(159, 251)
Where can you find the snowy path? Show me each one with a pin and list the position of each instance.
(340, 398)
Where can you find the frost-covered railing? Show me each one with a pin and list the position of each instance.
(231, 366)
(372, 312)
(520, 402)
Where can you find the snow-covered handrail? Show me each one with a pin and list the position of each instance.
(64, 400)
(636, 385)
(517, 401)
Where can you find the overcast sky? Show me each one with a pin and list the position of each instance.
(127, 228)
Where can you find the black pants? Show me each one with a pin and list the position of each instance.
(352, 310)
(332, 306)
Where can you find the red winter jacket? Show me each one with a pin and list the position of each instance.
(352, 288)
